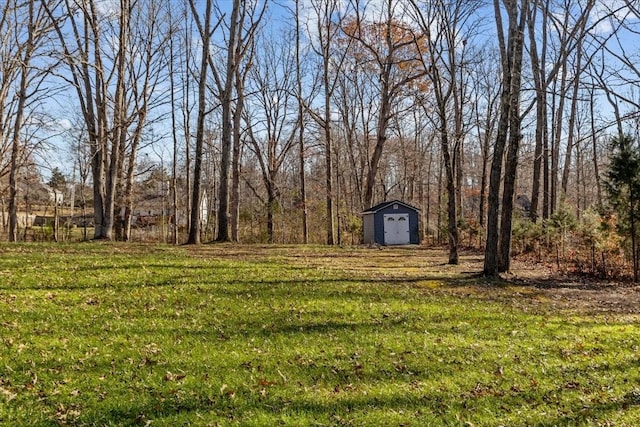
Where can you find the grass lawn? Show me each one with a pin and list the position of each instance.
(108, 334)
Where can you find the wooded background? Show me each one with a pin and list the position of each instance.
(282, 121)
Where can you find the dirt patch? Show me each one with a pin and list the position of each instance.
(528, 285)
(544, 287)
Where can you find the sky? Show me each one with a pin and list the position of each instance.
(280, 15)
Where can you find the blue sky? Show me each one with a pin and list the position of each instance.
(279, 14)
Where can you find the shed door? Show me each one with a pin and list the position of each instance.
(396, 229)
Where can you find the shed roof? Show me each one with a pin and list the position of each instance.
(383, 205)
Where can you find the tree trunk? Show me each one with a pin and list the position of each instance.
(301, 154)
(452, 217)
(634, 244)
(538, 67)
(186, 120)
(546, 176)
(196, 193)
(226, 102)
(17, 128)
(555, 147)
(328, 141)
(439, 211)
(491, 263)
(511, 165)
(129, 183)
(594, 152)
(271, 206)
(13, 187)
(572, 117)
(510, 90)
(14, 167)
(483, 182)
(427, 214)
(235, 165)
(174, 135)
(541, 112)
(328, 153)
(381, 138)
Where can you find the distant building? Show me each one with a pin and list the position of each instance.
(56, 196)
(391, 223)
(523, 202)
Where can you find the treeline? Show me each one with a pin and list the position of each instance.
(264, 121)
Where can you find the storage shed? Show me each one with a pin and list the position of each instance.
(391, 223)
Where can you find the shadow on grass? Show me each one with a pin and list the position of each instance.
(571, 282)
(348, 405)
(221, 276)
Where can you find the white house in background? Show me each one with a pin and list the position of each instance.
(56, 197)
(204, 208)
(150, 210)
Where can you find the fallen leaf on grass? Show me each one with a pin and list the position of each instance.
(8, 394)
(226, 392)
(265, 383)
(66, 414)
(173, 377)
(572, 385)
(91, 301)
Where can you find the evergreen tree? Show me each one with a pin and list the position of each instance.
(58, 180)
(623, 185)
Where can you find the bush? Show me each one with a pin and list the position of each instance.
(527, 235)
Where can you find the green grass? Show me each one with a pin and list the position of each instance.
(110, 335)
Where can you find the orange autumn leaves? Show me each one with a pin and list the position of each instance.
(375, 46)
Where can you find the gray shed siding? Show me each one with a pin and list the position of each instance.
(368, 226)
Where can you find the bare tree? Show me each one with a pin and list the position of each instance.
(206, 28)
(174, 121)
(498, 245)
(485, 99)
(447, 28)
(353, 99)
(556, 39)
(145, 71)
(324, 42)
(272, 118)
(511, 51)
(24, 27)
(99, 44)
(301, 128)
(225, 90)
(539, 69)
(241, 27)
(81, 158)
(390, 48)
(578, 68)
